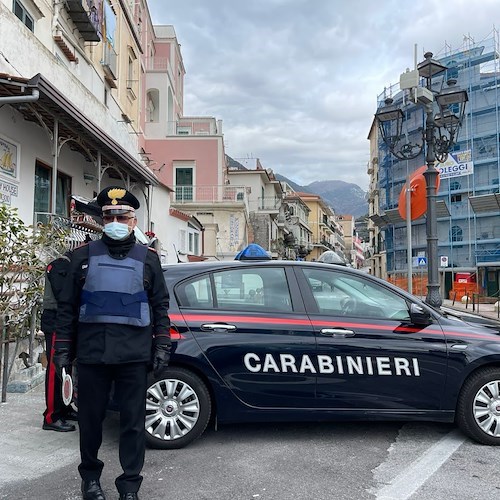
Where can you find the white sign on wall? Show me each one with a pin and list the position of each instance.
(7, 190)
(456, 165)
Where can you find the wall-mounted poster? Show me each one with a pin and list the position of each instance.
(9, 161)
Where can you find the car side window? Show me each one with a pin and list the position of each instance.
(340, 294)
(196, 294)
(252, 289)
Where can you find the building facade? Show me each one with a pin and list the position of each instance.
(468, 199)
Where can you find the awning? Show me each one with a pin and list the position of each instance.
(392, 216)
(52, 104)
(485, 203)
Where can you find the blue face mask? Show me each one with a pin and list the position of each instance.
(117, 230)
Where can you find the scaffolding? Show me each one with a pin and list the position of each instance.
(468, 239)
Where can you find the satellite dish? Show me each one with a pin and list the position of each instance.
(418, 194)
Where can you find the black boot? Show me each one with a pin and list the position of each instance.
(129, 496)
(58, 426)
(91, 490)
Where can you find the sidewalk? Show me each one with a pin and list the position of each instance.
(486, 310)
(27, 451)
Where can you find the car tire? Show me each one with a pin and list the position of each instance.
(178, 409)
(478, 409)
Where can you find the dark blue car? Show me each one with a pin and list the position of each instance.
(288, 341)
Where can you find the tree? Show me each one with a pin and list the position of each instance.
(25, 252)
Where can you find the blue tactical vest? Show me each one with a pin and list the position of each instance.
(114, 288)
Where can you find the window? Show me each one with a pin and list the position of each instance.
(195, 294)
(252, 289)
(43, 192)
(153, 105)
(339, 294)
(456, 233)
(21, 12)
(193, 240)
(183, 184)
(263, 289)
(455, 198)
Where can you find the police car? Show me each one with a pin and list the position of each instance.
(287, 341)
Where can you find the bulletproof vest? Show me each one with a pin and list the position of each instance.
(114, 288)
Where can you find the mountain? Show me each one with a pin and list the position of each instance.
(344, 197)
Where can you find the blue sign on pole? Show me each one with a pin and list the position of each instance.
(422, 261)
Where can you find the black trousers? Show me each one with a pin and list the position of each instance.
(94, 384)
(55, 409)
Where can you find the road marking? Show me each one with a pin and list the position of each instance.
(409, 480)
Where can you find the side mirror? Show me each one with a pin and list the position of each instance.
(419, 315)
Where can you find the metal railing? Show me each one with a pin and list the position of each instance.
(209, 194)
(79, 227)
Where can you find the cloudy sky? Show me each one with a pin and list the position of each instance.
(296, 81)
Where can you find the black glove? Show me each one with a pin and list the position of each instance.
(161, 357)
(62, 359)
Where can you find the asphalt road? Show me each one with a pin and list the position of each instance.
(300, 461)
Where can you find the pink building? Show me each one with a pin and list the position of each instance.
(187, 153)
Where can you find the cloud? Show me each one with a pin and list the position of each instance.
(296, 81)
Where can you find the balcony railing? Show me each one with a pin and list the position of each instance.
(209, 194)
(108, 62)
(270, 203)
(157, 63)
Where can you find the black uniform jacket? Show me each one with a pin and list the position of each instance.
(55, 277)
(112, 343)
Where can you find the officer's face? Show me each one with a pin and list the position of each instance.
(128, 219)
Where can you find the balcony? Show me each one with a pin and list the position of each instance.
(269, 204)
(157, 64)
(86, 17)
(208, 194)
(109, 64)
(195, 126)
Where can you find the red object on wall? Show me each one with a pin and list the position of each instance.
(418, 194)
(465, 277)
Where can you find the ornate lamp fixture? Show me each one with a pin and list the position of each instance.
(439, 135)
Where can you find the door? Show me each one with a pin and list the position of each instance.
(370, 356)
(492, 283)
(251, 326)
(184, 184)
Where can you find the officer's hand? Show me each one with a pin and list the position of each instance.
(62, 359)
(161, 358)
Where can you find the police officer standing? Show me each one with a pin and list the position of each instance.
(114, 306)
(56, 414)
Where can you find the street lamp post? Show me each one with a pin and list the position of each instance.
(439, 136)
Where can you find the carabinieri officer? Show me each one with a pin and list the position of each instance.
(114, 308)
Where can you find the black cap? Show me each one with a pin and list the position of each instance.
(116, 200)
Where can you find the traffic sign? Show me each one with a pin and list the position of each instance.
(443, 260)
(422, 261)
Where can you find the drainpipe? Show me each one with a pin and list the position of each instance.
(15, 99)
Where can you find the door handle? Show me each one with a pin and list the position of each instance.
(336, 332)
(218, 326)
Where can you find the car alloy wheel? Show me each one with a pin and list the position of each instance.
(178, 409)
(478, 410)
